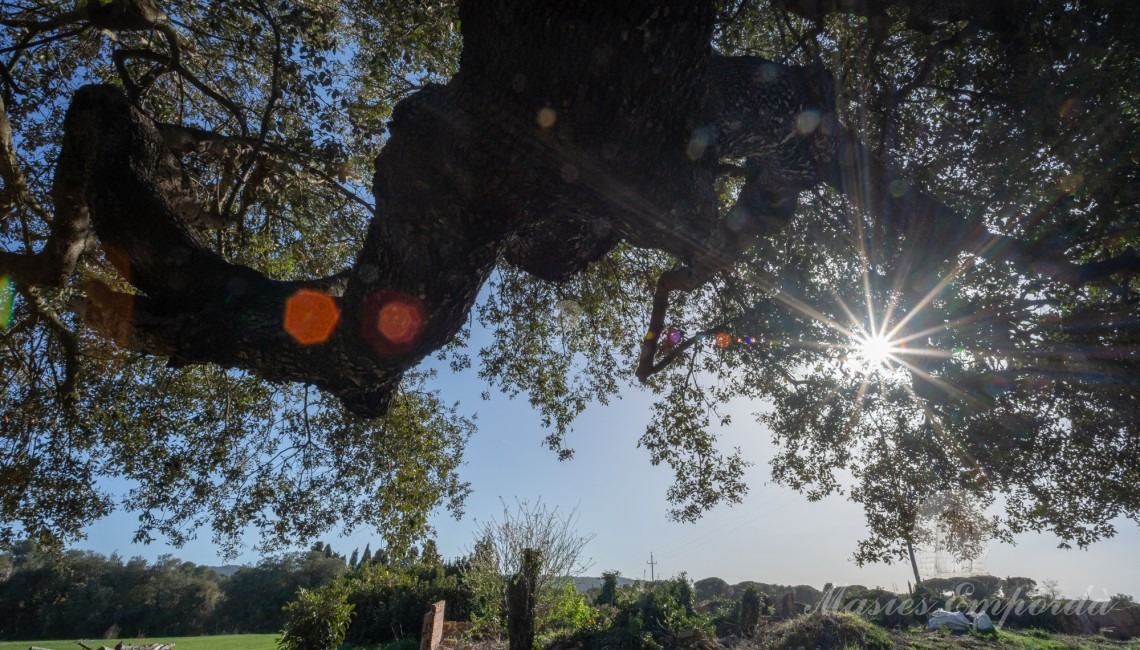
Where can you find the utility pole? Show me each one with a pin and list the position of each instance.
(652, 565)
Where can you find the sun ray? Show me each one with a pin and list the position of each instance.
(929, 297)
(951, 390)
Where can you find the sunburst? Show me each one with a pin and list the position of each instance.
(875, 351)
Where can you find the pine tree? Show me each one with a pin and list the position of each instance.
(366, 559)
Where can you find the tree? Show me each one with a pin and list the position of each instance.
(255, 596)
(530, 540)
(910, 502)
(905, 198)
(366, 559)
(1050, 588)
(1019, 587)
(354, 559)
(608, 593)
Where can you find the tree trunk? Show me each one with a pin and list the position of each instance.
(521, 601)
(913, 563)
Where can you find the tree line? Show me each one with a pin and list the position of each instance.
(83, 594)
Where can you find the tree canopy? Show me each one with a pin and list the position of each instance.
(905, 228)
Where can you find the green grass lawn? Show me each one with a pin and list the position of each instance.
(223, 642)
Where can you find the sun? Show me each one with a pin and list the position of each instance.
(875, 351)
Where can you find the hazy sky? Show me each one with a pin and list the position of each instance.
(774, 536)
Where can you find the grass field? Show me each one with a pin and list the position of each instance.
(223, 642)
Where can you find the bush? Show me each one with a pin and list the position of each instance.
(827, 630)
(317, 620)
(570, 612)
(653, 618)
(391, 600)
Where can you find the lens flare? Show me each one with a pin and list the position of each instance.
(310, 316)
(393, 321)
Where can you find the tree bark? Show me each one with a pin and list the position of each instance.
(521, 601)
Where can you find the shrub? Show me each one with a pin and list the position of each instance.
(317, 620)
(652, 618)
(569, 612)
(391, 600)
(827, 630)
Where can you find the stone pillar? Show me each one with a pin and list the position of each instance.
(432, 633)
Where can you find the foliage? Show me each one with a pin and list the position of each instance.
(82, 594)
(498, 553)
(986, 226)
(805, 594)
(255, 597)
(1020, 586)
(218, 642)
(827, 630)
(390, 600)
(979, 587)
(205, 446)
(569, 612)
(654, 617)
(317, 620)
(608, 593)
(711, 588)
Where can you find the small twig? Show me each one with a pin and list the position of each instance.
(120, 58)
(270, 105)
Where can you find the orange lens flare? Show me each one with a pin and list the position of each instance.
(310, 316)
(393, 321)
(723, 340)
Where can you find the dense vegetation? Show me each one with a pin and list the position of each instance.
(79, 594)
(318, 599)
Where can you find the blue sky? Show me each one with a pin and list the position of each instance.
(774, 536)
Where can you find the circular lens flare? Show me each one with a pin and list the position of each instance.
(393, 321)
(310, 316)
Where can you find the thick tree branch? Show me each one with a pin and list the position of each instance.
(70, 233)
(15, 191)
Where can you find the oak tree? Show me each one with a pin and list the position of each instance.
(877, 219)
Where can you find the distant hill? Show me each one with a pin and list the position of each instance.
(227, 570)
(586, 583)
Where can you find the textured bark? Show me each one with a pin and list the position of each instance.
(521, 601)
